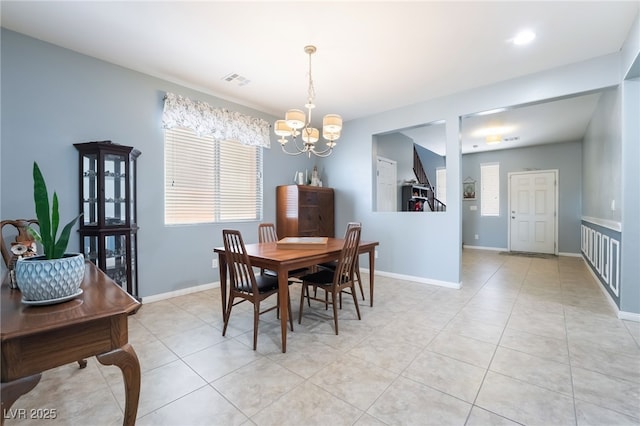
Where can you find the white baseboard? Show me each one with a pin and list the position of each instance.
(506, 249)
(484, 248)
(447, 284)
(181, 292)
(570, 254)
(629, 316)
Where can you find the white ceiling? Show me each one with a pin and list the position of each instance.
(556, 121)
(372, 56)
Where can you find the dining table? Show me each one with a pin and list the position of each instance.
(281, 260)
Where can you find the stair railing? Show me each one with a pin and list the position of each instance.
(434, 204)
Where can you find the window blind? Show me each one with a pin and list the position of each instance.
(490, 189)
(210, 181)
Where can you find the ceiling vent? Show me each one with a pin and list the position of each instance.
(237, 79)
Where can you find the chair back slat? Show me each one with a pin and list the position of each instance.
(349, 254)
(267, 233)
(240, 271)
(244, 284)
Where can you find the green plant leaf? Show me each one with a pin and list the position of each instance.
(35, 234)
(41, 199)
(61, 244)
(55, 218)
(48, 221)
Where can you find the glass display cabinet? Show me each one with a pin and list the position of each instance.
(108, 226)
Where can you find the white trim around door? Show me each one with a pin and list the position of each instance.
(533, 211)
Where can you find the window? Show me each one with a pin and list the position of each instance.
(490, 189)
(210, 181)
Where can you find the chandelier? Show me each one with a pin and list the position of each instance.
(296, 123)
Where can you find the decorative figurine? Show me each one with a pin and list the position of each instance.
(20, 249)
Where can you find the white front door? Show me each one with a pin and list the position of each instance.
(386, 185)
(532, 211)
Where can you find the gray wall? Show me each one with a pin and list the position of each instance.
(430, 162)
(397, 147)
(602, 159)
(53, 97)
(493, 231)
(630, 244)
(428, 247)
(630, 73)
(611, 157)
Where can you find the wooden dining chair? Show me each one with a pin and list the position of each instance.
(246, 285)
(333, 264)
(335, 281)
(267, 234)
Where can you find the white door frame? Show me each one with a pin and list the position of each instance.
(379, 192)
(555, 216)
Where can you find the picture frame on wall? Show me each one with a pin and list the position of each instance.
(469, 189)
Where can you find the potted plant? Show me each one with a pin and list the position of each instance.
(56, 275)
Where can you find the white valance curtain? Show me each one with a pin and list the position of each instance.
(220, 123)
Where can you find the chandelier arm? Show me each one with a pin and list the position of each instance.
(297, 147)
(291, 153)
(324, 153)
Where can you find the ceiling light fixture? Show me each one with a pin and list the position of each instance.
(296, 123)
(524, 37)
(493, 139)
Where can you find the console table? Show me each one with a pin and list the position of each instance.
(39, 338)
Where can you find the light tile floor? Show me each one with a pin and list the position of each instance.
(525, 341)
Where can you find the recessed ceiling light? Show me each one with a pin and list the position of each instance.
(493, 139)
(524, 37)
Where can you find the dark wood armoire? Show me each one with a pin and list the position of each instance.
(304, 211)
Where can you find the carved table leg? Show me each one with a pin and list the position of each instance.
(82, 363)
(126, 359)
(11, 391)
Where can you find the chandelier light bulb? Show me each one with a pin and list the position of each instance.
(295, 119)
(281, 128)
(330, 136)
(332, 123)
(310, 135)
